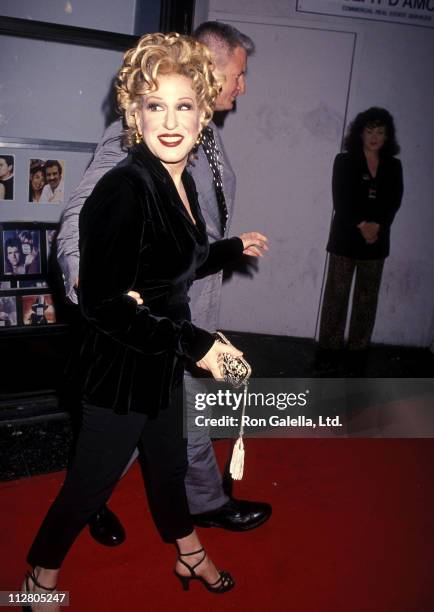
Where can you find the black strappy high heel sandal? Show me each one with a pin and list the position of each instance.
(224, 583)
(26, 588)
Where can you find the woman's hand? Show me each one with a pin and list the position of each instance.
(213, 360)
(254, 244)
(369, 230)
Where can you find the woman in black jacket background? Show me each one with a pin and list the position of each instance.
(367, 189)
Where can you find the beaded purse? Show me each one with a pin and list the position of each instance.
(236, 370)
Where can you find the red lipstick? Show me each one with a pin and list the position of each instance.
(170, 140)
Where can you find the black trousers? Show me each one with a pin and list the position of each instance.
(336, 297)
(104, 446)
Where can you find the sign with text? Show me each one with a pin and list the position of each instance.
(410, 12)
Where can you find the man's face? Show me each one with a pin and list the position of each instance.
(13, 255)
(53, 176)
(233, 78)
(5, 170)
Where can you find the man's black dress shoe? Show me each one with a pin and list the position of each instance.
(235, 515)
(105, 528)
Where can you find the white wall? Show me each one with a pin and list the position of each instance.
(282, 141)
(54, 91)
(109, 15)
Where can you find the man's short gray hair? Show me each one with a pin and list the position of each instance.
(217, 35)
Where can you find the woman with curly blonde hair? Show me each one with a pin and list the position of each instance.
(157, 55)
(142, 242)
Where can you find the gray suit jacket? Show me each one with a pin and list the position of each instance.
(205, 293)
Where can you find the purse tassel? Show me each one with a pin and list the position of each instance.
(236, 467)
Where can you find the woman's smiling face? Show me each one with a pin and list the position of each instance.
(169, 119)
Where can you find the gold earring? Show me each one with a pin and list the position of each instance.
(198, 139)
(137, 134)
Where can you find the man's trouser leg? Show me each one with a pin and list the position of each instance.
(203, 481)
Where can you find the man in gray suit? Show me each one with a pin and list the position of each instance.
(215, 183)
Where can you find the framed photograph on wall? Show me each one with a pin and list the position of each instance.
(25, 251)
(21, 251)
(46, 181)
(38, 309)
(8, 311)
(7, 165)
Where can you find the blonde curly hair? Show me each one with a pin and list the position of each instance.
(157, 54)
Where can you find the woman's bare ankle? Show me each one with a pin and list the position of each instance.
(47, 578)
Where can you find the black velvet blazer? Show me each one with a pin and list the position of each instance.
(357, 196)
(135, 234)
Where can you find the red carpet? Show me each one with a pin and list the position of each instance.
(352, 531)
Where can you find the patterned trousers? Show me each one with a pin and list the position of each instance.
(336, 297)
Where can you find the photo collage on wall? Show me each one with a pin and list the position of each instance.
(25, 296)
(45, 179)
